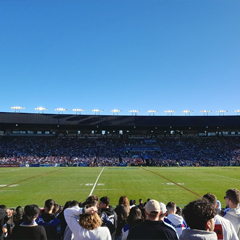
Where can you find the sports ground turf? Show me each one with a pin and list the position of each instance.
(22, 186)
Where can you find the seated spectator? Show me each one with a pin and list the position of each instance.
(89, 224)
(48, 220)
(199, 216)
(29, 229)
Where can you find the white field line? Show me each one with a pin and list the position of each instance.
(227, 177)
(96, 182)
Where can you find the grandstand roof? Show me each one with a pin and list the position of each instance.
(73, 121)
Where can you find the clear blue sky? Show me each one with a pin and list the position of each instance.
(120, 54)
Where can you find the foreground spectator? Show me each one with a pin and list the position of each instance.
(134, 218)
(199, 216)
(29, 229)
(152, 227)
(232, 212)
(223, 227)
(108, 215)
(173, 219)
(48, 220)
(89, 225)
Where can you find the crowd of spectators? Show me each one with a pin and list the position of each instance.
(96, 219)
(161, 151)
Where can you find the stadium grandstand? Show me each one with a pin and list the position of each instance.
(94, 140)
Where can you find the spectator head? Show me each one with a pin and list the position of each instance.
(17, 217)
(152, 209)
(135, 216)
(49, 206)
(211, 198)
(124, 200)
(91, 201)
(122, 212)
(232, 198)
(179, 211)
(163, 210)
(104, 202)
(90, 221)
(200, 214)
(171, 208)
(74, 203)
(31, 212)
(140, 201)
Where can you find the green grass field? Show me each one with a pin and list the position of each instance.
(22, 186)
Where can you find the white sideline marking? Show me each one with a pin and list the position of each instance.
(101, 184)
(15, 185)
(96, 182)
(3, 185)
(88, 184)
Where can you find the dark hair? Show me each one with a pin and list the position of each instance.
(122, 212)
(90, 201)
(49, 204)
(171, 206)
(105, 200)
(74, 203)
(179, 211)
(234, 195)
(198, 212)
(3, 207)
(211, 198)
(135, 216)
(30, 212)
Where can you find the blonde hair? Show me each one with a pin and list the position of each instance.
(90, 221)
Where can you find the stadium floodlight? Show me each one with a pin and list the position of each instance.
(60, 110)
(134, 111)
(236, 111)
(115, 111)
(17, 108)
(40, 109)
(221, 112)
(78, 110)
(97, 111)
(151, 112)
(170, 112)
(205, 112)
(187, 112)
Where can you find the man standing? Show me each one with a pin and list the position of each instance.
(223, 227)
(173, 219)
(108, 215)
(232, 212)
(199, 216)
(152, 227)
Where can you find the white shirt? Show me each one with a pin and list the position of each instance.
(100, 233)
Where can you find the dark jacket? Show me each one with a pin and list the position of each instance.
(109, 218)
(25, 232)
(51, 224)
(152, 230)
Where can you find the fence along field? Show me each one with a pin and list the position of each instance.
(22, 186)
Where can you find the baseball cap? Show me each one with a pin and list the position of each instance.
(163, 207)
(152, 206)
